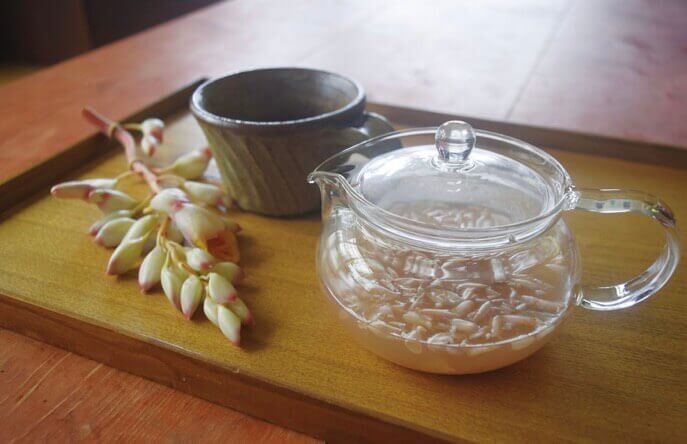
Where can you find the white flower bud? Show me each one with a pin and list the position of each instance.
(220, 289)
(204, 193)
(229, 324)
(230, 271)
(126, 255)
(149, 245)
(149, 144)
(210, 310)
(191, 165)
(151, 268)
(170, 181)
(226, 200)
(198, 224)
(172, 278)
(141, 228)
(153, 127)
(79, 189)
(110, 200)
(191, 294)
(169, 200)
(174, 233)
(199, 259)
(240, 310)
(97, 225)
(112, 233)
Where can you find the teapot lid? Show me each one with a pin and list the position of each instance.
(452, 182)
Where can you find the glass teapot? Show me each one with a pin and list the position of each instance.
(443, 249)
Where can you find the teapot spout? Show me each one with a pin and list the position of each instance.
(332, 190)
(320, 177)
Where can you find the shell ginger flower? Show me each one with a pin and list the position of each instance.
(80, 189)
(153, 127)
(191, 165)
(206, 193)
(190, 248)
(110, 200)
(197, 224)
(126, 254)
(149, 144)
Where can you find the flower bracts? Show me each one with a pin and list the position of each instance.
(178, 236)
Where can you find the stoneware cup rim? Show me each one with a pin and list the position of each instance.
(347, 113)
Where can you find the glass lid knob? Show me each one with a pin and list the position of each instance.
(454, 140)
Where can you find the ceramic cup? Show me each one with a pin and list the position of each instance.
(269, 128)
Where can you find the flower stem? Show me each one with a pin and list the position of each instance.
(162, 233)
(173, 248)
(113, 129)
(151, 178)
(124, 175)
(140, 207)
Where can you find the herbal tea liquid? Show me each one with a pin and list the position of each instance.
(447, 311)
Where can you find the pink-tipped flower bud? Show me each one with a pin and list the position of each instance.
(151, 268)
(149, 144)
(191, 165)
(191, 295)
(204, 193)
(198, 224)
(111, 200)
(172, 278)
(230, 271)
(220, 289)
(97, 225)
(126, 255)
(112, 233)
(80, 189)
(229, 324)
(210, 310)
(169, 200)
(154, 127)
(240, 310)
(199, 259)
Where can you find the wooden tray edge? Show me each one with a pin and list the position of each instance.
(213, 383)
(49, 171)
(598, 145)
(258, 398)
(209, 381)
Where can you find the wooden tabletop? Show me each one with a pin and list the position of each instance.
(613, 67)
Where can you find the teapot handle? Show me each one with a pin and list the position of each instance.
(641, 287)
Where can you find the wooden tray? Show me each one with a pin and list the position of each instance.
(607, 375)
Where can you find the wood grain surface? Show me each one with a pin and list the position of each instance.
(603, 369)
(616, 65)
(44, 404)
(515, 61)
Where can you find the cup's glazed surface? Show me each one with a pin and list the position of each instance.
(444, 250)
(268, 128)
